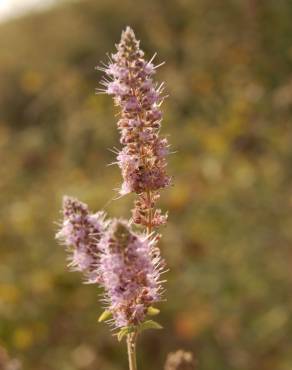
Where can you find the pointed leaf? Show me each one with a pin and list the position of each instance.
(124, 331)
(152, 311)
(104, 316)
(149, 324)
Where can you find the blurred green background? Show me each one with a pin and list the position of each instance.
(228, 240)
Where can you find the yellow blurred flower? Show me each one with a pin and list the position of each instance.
(31, 81)
(22, 338)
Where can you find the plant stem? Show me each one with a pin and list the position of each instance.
(149, 227)
(131, 347)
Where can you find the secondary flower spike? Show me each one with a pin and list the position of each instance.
(80, 232)
(142, 159)
(180, 360)
(129, 269)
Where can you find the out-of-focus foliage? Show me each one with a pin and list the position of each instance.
(228, 241)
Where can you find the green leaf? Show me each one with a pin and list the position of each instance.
(104, 316)
(123, 332)
(150, 324)
(152, 311)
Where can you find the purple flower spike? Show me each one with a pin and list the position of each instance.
(143, 157)
(129, 268)
(80, 232)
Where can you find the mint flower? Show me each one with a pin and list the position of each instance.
(142, 160)
(129, 268)
(80, 232)
(180, 360)
(125, 263)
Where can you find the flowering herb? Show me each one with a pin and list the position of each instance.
(124, 262)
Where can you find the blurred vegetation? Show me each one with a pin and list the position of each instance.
(228, 241)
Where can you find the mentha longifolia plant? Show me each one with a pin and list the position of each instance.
(122, 255)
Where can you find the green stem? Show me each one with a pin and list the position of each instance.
(131, 346)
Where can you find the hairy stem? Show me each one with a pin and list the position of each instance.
(149, 226)
(131, 347)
